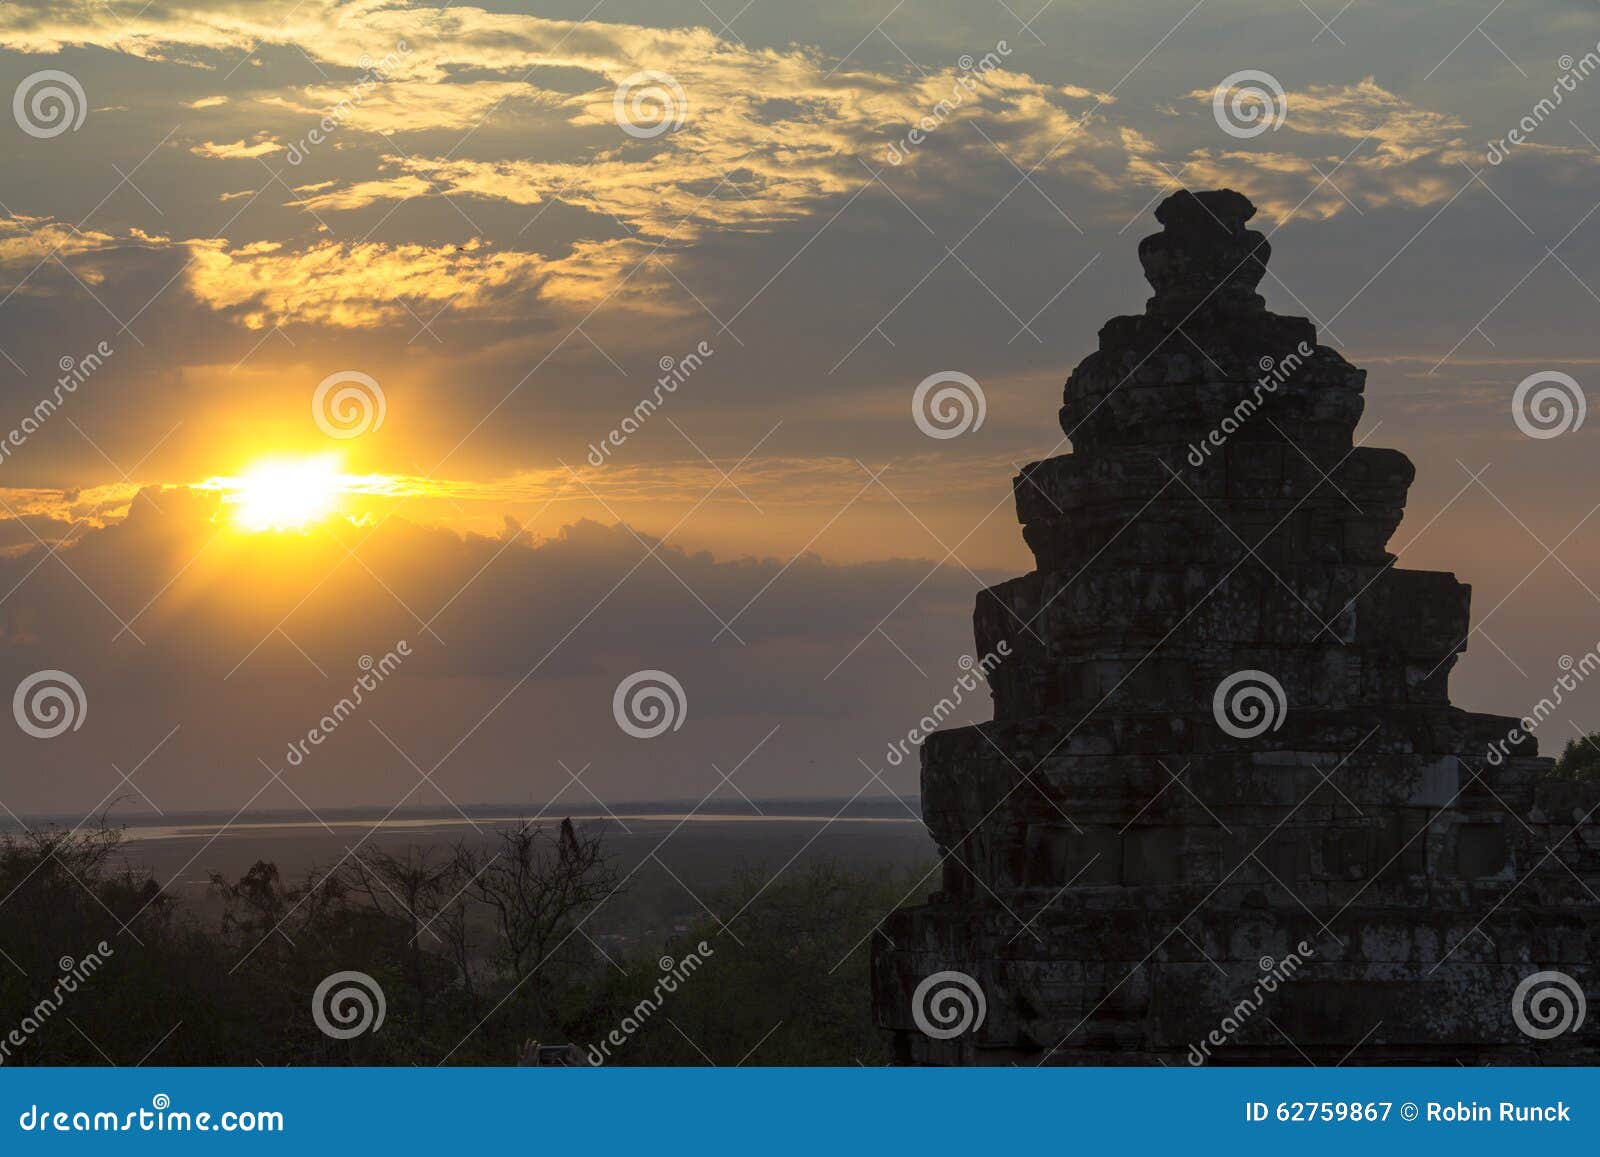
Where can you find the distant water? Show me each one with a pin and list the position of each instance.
(208, 825)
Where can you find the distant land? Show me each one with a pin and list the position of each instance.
(679, 856)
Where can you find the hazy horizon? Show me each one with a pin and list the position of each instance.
(542, 811)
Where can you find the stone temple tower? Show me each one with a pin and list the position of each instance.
(1225, 812)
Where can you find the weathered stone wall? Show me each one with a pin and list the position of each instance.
(1120, 869)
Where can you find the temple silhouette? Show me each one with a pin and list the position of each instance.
(1225, 812)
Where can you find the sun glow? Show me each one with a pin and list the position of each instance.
(286, 493)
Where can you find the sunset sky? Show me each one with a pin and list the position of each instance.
(498, 244)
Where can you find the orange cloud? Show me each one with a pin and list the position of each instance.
(359, 284)
(1387, 151)
(236, 150)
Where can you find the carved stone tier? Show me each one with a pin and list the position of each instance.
(1120, 869)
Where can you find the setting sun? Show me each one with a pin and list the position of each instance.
(286, 493)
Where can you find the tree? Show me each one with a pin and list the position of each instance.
(411, 888)
(97, 963)
(1580, 759)
(785, 982)
(539, 888)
